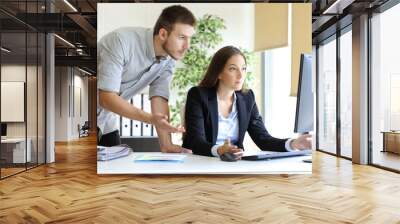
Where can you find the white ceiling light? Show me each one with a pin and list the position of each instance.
(5, 50)
(65, 41)
(84, 71)
(337, 7)
(70, 5)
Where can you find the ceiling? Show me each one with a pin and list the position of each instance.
(76, 22)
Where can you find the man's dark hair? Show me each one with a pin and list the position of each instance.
(172, 15)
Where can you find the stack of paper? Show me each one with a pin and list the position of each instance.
(167, 157)
(109, 153)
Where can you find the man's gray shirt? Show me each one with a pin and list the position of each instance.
(126, 65)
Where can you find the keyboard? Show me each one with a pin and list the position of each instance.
(276, 155)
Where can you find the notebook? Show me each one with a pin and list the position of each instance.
(167, 157)
(114, 152)
(276, 155)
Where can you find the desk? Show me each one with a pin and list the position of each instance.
(391, 141)
(195, 164)
(13, 150)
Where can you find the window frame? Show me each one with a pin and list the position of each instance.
(379, 10)
(333, 37)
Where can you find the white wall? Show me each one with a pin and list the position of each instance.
(81, 84)
(68, 83)
(33, 126)
(239, 18)
(14, 73)
(61, 103)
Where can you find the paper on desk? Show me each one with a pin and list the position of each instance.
(114, 152)
(160, 158)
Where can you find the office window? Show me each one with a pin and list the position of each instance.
(346, 94)
(22, 65)
(385, 85)
(13, 84)
(327, 96)
(280, 107)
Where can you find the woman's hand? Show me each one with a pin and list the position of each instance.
(302, 142)
(227, 147)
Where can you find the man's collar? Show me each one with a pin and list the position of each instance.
(150, 45)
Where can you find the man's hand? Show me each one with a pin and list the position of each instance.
(227, 147)
(161, 122)
(302, 142)
(175, 148)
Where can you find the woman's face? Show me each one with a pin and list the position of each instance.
(234, 73)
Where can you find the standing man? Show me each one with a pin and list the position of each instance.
(132, 58)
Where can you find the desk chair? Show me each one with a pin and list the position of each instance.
(84, 130)
(142, 143)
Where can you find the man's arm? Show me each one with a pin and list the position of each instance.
(159, 105)
(114, 103)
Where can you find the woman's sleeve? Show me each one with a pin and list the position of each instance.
(195, 136)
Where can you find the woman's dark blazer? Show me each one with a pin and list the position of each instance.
(201, 122)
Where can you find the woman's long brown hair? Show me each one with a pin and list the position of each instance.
(217, 65)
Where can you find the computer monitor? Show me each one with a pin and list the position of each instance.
(3, 129)
(304, 121)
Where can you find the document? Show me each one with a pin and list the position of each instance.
(126, 127)
(160, 158)
(137, 125)
(146, 107)
(114, 152)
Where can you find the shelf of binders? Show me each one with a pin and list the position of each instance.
(135, 128)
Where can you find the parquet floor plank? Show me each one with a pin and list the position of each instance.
(70, 191)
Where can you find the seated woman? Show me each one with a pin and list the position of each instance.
(219, 111)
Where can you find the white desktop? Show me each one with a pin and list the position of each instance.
(195, 164)
(19, 155)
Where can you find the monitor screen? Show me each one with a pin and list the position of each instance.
(304, 121)
(3, 129)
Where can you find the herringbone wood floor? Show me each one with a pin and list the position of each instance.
(70, 191)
